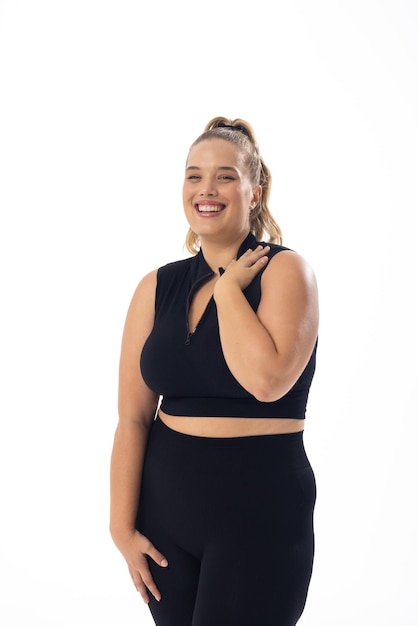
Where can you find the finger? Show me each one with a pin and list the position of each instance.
(156, 555)
(139, 585)
(145, 573)
(144, 582)
(260, 251)
(257, 264)
(149, 583)
(252, 256)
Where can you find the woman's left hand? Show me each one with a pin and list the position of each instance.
(242, 271)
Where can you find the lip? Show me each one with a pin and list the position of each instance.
(209, 203)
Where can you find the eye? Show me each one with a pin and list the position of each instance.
(193, 177)
(226, 177)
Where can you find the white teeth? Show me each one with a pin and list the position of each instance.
(206, 208)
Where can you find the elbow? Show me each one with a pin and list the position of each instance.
(267, 396)
(269, 389)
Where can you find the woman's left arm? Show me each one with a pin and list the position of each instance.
(267, 351)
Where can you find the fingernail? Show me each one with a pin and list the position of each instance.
(164, 563)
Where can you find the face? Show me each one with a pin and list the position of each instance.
(217, 192)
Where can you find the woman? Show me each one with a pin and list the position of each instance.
(222, 534)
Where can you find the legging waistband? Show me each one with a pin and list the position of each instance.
(268, 452)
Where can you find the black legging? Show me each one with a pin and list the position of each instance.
(234, 518)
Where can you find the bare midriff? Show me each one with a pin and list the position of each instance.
(231, 426)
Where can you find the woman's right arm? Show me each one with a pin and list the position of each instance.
(137, 405)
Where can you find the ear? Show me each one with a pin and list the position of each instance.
(257, 192)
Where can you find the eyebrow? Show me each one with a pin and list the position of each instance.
(222, 167)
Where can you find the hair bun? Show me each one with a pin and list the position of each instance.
(237, 127)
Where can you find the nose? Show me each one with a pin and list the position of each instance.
(208, 187)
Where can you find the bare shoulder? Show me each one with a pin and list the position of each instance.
(288, 263)
(146, 286)
(145, 291)
(289, 289)
(140, 315)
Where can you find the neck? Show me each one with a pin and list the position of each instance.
(219, 254)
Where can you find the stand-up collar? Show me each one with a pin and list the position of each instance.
(202, 269)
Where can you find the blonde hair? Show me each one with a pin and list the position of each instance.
(240, 133)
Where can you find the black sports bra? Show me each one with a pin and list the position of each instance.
(188, 369)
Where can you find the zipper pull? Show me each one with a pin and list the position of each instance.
(190, 333)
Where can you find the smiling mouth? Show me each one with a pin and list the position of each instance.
(209, 208)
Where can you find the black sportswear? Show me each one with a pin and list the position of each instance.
(187, 367)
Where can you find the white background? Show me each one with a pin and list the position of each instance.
(99, 102)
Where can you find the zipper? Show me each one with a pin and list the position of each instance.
(192, 291)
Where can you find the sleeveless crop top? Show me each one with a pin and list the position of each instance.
(188, 369)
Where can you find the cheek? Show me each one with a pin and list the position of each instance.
(188, 190)
(246, 197)
(187, 201)
(246, 190)
(185, 193)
